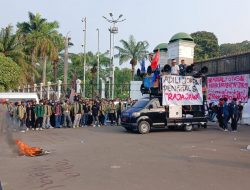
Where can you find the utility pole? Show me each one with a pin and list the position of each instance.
(111, 61)
(66, 64)
(84, 20)
(98, 62)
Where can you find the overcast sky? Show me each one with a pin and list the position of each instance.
(154, 21)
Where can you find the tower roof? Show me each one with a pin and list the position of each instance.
(181, 36)
(161, 47)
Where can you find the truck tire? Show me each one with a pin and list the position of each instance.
(171, 128)
(144, 127)
(188, 128)
(128, 129)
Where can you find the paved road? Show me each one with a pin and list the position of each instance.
(109, 158)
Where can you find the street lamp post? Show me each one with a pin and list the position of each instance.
(98, 62)
(84, 64)
(113, 30)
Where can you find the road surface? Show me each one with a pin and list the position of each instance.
(109, 158)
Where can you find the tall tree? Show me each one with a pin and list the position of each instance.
(206, 45)
(234, 48)
(133, 51)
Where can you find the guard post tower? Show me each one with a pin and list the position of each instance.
(181, 46)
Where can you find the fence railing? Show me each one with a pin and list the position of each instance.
(59, 90)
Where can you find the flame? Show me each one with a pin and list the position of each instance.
(26, 150)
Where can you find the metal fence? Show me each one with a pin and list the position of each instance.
(56, 91)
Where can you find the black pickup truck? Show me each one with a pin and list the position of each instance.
(148, 114)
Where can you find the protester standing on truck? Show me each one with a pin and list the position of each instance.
(182, 68)
(174, 68)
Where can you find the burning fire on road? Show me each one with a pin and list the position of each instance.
(26, 150)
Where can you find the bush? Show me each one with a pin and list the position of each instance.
(10, 74)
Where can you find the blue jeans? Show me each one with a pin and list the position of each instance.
(58, 121)
(84, 119)
(225, 122)
(106, 118)
(95, 120)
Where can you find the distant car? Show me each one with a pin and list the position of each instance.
(147, 114)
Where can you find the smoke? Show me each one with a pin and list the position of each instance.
(7, 128)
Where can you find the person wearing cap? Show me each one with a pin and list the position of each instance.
(174, 68)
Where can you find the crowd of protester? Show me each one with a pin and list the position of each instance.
(46, 114)
(226, 112)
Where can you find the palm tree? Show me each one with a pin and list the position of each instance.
(28, 33)
(47, 45)
(132, 51)
(42, 40)
(11, 47)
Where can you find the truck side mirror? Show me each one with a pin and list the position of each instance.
(150, 106)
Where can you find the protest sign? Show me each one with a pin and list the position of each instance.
(233, 86)
(181, 90)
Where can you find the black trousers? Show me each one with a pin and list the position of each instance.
(234, 123)
(220, 120)
(118, 117)
(112, 118)
(30, 123)
(39, 122)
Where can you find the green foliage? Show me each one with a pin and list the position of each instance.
(10, 74)
(228, 49)
(206, 45)
(12, 48)
(122, 81)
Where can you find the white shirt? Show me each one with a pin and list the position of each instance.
(175, 70)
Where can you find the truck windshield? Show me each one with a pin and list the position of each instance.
(140, 104)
